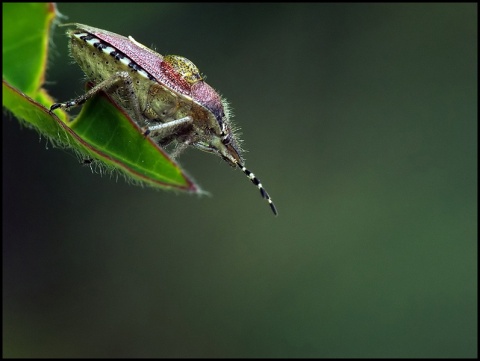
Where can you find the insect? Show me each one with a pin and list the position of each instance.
(165, 95)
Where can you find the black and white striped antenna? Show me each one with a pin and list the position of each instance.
(257, 182)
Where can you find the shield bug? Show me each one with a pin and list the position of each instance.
(165, 95)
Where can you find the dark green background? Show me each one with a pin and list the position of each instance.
(361, 122)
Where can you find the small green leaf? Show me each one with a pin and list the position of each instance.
(101, 131)
(105, 128)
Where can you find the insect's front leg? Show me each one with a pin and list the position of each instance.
(120, 79)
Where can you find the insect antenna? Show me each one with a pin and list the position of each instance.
(257, 182)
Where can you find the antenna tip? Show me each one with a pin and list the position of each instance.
(274, 209)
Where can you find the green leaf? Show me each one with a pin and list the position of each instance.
(101, 131)
(25, 42)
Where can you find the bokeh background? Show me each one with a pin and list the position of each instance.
(361, 122)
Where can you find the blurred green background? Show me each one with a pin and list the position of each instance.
(361, 122)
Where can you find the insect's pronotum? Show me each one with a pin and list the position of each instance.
(165, 95)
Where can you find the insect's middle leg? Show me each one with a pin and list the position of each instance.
(119, 79)
(165, 130)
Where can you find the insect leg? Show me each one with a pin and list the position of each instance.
(119, 79)
(163, 130)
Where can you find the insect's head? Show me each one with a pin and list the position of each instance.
(225, 144)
